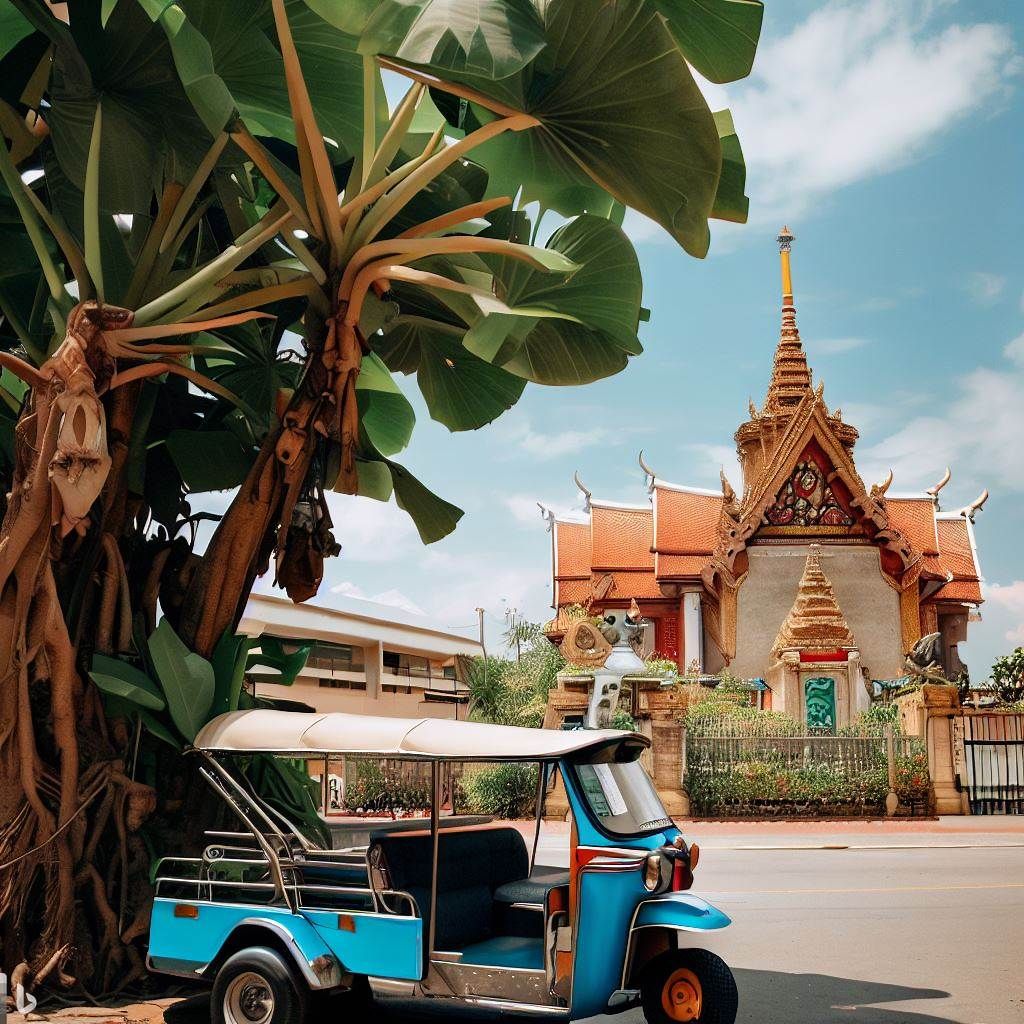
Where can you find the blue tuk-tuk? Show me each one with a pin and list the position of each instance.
(459, 918)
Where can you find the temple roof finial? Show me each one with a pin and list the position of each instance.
(791, 377)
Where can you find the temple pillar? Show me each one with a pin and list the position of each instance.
(693, 632)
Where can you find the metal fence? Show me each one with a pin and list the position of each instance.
(994, 760)
(848, 754)
(803, 775)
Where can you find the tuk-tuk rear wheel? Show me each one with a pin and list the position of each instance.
(256, 986)
(688, 985)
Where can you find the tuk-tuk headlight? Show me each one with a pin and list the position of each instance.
(652, 872)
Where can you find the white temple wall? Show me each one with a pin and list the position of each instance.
(870, 605)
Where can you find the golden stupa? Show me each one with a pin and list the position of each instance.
(815, 622)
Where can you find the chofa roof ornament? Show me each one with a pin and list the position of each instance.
(971, 510)
(879, 490)
(649, 475)
(934, 491)
(587, 495)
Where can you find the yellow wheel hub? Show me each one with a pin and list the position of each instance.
(681, 995)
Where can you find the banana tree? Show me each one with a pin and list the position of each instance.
(221, 246)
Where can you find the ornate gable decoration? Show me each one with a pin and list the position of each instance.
(811, 457)
(807, 499)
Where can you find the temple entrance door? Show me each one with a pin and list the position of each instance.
(820, 701)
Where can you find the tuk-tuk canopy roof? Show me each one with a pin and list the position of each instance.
(314, 735)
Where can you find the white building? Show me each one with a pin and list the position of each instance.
(367, 658)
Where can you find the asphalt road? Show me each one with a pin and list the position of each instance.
(908, 936)
(859, 936)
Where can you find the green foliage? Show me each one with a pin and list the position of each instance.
(138, 99)
(375, 789)
(515, 692)
(186, 678)
(622, 719)
(874, 720)
(1008, 677)
(506, 790)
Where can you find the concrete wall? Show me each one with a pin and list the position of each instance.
(870, 605)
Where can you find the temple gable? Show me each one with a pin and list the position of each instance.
(716, 572)
(808, 498)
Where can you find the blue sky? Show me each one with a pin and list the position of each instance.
(889, 135)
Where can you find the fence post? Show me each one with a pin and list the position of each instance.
(892, 801)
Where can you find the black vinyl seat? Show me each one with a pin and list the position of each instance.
(474, 866)
(532, 891)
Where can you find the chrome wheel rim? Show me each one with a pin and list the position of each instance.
(248, 1000)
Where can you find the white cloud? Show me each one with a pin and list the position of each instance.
(371, 531)
(392, 598)
(837, 346)
(857, 90)
(551, 444)
(985, 287)
(472, 581)
(973, 434)
(712, 459)
(1015, 351)
(523, 508)
(1010, 599)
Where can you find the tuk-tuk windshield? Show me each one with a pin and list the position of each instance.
(622, 797)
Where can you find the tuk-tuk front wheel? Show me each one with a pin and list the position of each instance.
(689, 985)
(256, 986)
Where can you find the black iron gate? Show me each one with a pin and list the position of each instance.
(994, 759)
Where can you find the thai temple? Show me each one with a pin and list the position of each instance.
(805, 579)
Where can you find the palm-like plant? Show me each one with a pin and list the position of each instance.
(219, 246)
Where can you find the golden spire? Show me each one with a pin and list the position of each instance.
(791, 377)
(815, 622)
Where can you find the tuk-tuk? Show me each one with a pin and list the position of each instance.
(457, 918)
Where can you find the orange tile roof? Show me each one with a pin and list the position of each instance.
(621, 538)
(572, 550)
(679, 565)
(571, 591)
(915, 518)
(955, 552)
(634, 584)
(686, 521)
(960, 590)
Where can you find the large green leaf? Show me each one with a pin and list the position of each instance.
(731, 202)
(461, 390)
(604, 293)
(434, 517)
(561, 352)
(617, 105)
(490, 38)
(718, 37)
(119, 679)
(186, 678)
(193, 59)
(386, 415)
(228, 660)
(574, 332)
(13, 27)
(209, 460)
(147, 118)
(272, 654)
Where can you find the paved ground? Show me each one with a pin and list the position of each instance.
(888, 923)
